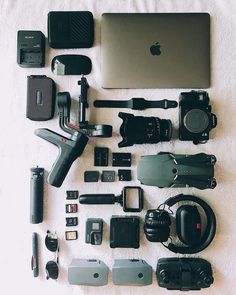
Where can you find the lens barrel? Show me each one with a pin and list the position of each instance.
(139, 130)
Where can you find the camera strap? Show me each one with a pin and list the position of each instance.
(136, 103)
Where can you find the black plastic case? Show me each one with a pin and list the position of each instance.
(41, 91)
(70, 29)
(188, 224)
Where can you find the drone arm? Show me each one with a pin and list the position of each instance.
(197, 159)
(199, 181)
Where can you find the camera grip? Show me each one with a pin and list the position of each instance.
(60, 169)
(36, 195)
(69, 151)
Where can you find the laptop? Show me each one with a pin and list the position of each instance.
(155, 50)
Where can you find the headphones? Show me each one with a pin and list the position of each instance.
(188, 225)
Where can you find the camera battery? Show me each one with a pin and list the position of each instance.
(108, 176)
(124, 175)
(101, 156)
(121, 159)
(91, 176)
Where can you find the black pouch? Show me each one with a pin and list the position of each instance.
(41, 92)
(70, 29)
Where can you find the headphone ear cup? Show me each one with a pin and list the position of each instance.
(159, 234)
(156, 218)
(156, 226)
(155, 223)
(188, 225)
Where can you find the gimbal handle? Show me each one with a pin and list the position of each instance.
(93, 199)
(69, 151)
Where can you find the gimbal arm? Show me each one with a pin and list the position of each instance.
(71, 148)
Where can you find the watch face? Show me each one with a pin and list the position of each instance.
(196, 121)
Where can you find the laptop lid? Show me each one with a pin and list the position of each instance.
(155, 50)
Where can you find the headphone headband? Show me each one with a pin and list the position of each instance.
(210, 228)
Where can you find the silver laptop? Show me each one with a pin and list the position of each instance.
(155, 50)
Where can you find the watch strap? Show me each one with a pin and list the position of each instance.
(136, 103)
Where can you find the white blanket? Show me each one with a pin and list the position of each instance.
(20, 150)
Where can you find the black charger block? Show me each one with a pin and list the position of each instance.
(70, 29)
(30, 49)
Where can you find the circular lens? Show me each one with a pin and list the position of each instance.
(52, 270)
(140, 275)
(196, 121)
(96, 275)
(51, 242)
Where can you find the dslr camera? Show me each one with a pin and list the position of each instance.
(195, 117)
(184, 273)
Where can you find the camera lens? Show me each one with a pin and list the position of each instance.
(139, 130)
(196, 121)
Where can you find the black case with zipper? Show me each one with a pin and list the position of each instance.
(41, 91)
(70, 29)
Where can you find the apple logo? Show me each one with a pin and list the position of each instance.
(155, 49)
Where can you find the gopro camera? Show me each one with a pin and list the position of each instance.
(195, 117)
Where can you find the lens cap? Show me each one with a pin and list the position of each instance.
(196, 121)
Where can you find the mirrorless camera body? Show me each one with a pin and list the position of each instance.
(195, 117)
(184, 273)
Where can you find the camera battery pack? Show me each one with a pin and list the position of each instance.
(70, 29)
(31, 49)
(40, 98)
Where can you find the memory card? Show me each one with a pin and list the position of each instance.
(71, 235)
(72, 195)
(71, 208)
(71, 221)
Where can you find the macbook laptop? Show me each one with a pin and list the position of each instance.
(155, 50)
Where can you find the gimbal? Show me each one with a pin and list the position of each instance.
(71, 148)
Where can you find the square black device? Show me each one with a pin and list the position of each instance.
(30, 49)
(124, 232)
(70, 29)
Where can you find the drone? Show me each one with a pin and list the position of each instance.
(173, 170)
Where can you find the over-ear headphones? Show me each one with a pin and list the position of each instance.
(188, 225)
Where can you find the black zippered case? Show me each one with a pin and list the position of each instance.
(41, 92)
(70, 29)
